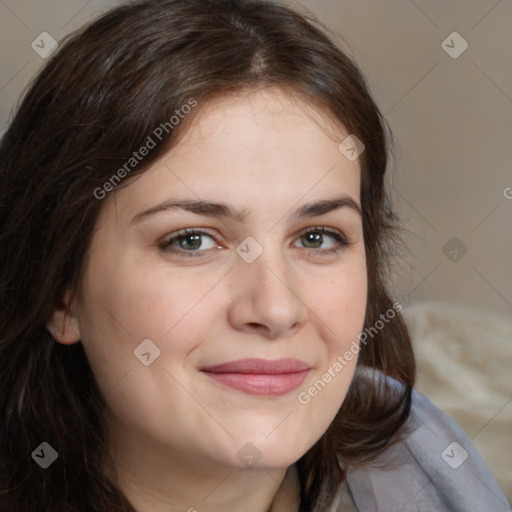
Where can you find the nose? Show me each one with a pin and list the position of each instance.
(266, 298)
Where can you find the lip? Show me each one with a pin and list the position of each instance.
(264, 377)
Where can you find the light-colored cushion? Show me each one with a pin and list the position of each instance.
(464, 363)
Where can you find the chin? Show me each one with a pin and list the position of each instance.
(267, 454)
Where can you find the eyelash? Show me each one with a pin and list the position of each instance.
(166, 245)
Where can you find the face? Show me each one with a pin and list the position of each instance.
(245, 313)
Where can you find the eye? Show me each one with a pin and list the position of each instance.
(315, 237)
(188, 241)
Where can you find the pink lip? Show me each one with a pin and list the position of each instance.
(260, 376)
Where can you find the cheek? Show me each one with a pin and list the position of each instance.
(126, 307)
(142, 304)
(345, 305)
(344, 308)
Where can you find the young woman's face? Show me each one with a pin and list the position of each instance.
(258, 288)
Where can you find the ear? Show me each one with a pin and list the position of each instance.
(63, 324)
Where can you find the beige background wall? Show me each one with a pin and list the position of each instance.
(452, 119)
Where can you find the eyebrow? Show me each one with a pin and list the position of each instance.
(215, 209)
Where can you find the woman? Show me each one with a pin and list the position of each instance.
(195, 312)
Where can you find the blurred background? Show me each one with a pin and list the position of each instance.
(441, 73)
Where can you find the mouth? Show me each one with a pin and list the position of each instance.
(262, 377)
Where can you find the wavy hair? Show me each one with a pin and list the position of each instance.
(92, 105)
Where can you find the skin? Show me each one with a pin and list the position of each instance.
(174, 432)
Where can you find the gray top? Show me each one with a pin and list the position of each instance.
(436, 468)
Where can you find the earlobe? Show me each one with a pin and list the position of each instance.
(63, 324)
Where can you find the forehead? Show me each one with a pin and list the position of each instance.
(264, 146)
(261, 115)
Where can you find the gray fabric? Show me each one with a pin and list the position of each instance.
(343, 500)
(419, 478)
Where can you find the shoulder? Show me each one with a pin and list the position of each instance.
(435, 467)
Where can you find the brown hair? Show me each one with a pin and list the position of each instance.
(96, 101)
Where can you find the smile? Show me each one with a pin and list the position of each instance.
(260, 376)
